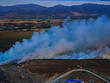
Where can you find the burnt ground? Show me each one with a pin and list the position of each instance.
(42, 71)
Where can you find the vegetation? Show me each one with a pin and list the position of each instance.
(8, 38)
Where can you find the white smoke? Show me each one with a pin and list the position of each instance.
(74, 40)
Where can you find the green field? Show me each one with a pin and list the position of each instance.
(8, 38)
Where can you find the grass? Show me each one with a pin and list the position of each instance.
(8, 38)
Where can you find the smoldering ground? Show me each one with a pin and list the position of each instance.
(79, 39)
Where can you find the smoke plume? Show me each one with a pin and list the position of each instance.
(79, 39)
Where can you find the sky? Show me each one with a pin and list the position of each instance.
(49, 3)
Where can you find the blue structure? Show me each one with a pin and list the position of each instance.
(73, 81)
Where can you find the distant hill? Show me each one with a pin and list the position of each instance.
(59, 11)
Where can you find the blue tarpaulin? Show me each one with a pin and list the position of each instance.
(73, 81)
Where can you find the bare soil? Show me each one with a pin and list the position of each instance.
(43, 71)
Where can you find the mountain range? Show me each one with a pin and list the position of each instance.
(59, 11)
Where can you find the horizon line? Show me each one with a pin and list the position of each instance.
(65, 3)
(54, 5)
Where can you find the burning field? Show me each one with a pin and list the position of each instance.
(79, 44)
(80, 39)
(37, 45)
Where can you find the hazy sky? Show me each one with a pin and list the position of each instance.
(51, 2)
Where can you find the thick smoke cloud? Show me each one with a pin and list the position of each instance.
(78, 39)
